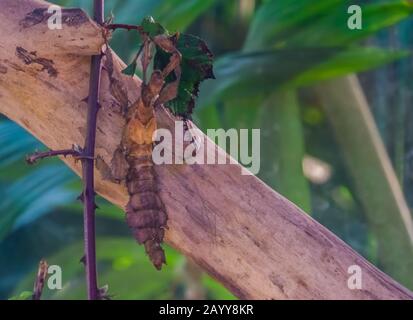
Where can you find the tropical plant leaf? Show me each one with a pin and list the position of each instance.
(332, 29)
(319, 23)
(282, 139)
(124, 266)
(177, 15)
(351, 61)
(130, 69)
(261, 72)
(174, 14)
(25, 295)
(197, 66)
(24, 200)
(277, 20)
(14, 143)
(152, 27)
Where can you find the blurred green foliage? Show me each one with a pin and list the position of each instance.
(266, 51)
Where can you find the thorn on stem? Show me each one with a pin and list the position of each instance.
(33, 158)
(81, 198)
(128, 27)
(103, 293)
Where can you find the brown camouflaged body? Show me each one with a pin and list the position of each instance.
(145, 212)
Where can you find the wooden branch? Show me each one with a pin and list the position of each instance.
(255, 242)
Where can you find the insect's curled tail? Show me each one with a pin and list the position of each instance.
(145, 212)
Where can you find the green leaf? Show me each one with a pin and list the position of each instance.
(351, 61)
(248, 74)
(283, 142)
(208, 118)
(15, 142)
(262, 72)
(25, 189)
(319, 23)
(24, 200)
(177, 15)
(197, 66)
(277, 20)
(216, 291)
(152, 27)
(332, 30)
(174, 14)
(130, 69)
(25, 295)
(122, 265)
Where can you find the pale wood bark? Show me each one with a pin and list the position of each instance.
(251, 239)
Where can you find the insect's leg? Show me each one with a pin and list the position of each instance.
(173, 65)
(146, 57)
(119, 165)
(167, 45)
(171, 90)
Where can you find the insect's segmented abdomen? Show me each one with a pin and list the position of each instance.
(145, 212)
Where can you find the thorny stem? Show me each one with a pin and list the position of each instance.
(33, 158)
(88, 165)
(128, 27)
